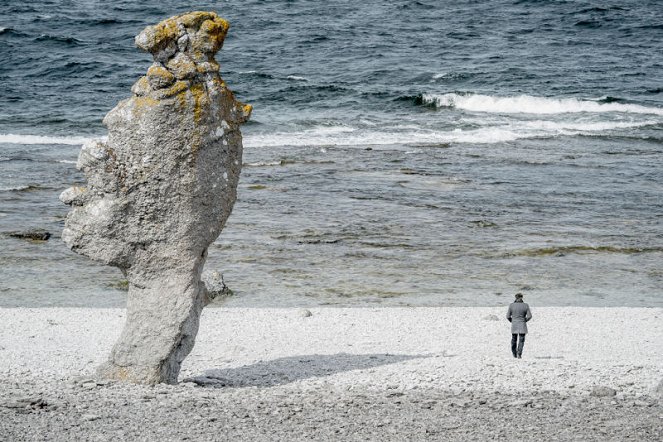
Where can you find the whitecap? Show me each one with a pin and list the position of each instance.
(409, 135)
(15, 188)
(296, 78)
(262, 164)
(42, 139)
(531, 105)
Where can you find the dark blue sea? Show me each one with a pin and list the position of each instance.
(399, 153)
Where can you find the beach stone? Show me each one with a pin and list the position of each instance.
(159, 192)
(658, 391)
(217, 289)
(603, 391)
(90, 417)
(305, 313)
(491, 318)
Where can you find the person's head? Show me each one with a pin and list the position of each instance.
(519, 296)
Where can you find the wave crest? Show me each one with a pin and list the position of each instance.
(414, 135)
(41, 139)
(526, 104)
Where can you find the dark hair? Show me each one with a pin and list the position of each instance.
(519, 295)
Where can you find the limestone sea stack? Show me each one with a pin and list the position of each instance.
(159, 192)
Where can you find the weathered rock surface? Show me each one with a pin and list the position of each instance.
(160, 190)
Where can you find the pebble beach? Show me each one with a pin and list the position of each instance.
(408, 167)
(343, 374)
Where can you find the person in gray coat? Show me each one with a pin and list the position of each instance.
(518, 315)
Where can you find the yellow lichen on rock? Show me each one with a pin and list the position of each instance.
(194, 19)
(141, 87)
(207, 67)
(159, 77)
(181, 66)
(177, 88)
(200, 101)
(209, 38)
(183, 47)
(157, 37)
(142, 104)
(161, 188)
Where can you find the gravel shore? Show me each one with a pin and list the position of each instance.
(343, 374)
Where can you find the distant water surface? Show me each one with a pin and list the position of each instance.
(399, 153)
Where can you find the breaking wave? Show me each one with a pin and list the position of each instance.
(526, 104)
(412, 135)
(41, 139)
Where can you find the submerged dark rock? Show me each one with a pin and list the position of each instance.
(33, 234)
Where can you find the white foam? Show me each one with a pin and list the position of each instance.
(411, 134)
(14, 188)
(296, 78)
(573, 127)
(262, 164)
(41, 139)
(531, 105)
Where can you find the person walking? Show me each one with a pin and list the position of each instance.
(518, 315)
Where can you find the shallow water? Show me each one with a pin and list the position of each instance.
(400, 154)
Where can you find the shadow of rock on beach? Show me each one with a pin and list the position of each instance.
(293, 368)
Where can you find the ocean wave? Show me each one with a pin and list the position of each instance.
(565, 250)
(601, 9)
(256, 74)
(408, 134)
(576, 128)
(451, 76)
(269, 76)
(413, 135)
(58, 39)
(41, 139)
(23, 188)
(526, 104)
(350, 137)
(588, 23)
(11, 32)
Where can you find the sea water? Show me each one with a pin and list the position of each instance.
(399, 153)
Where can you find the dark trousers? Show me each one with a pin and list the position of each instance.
(517, 344)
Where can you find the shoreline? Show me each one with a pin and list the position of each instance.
(384, 364)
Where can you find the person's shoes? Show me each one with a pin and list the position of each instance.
(515, 355)
(520, 356)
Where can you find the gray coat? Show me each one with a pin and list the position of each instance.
(519, 314)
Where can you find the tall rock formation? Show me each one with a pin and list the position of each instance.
(159, 192)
